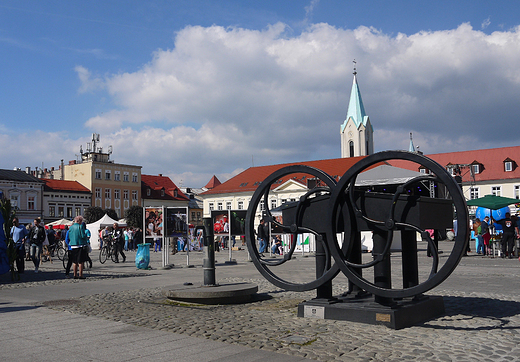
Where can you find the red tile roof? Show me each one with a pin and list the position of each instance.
(214, 182)
(491, 163)
(62, 185)
(250, 179)
(158, 183)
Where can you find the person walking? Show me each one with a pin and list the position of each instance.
(262, 237)
(19, 234)
(36, 239)
(119, 241)
(78, 244)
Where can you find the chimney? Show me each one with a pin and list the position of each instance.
(27, 170)
(160, 175)
(62, 176)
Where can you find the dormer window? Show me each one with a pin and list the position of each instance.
(476, 168)
(162, 193)
(148, 192)
(509, 165)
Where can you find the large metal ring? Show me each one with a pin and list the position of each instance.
(293, 227)
(342, 210)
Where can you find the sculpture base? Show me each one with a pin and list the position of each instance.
(401, 314)
(213, 294)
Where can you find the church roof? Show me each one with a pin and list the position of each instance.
(356, 110)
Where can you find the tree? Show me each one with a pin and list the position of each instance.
(112, 213)
(93, 214)
(134, 216)
(7, 215)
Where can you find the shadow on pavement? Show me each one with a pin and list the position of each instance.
(478, 313)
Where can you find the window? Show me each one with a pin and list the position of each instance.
(61, 212)
(198, 215)
(175, 193)
(98, 174)
(14, 201)
(241, 205)
(262, 205)
(475, 168)
(517, 192)
(125, 177)
(211, 206)
(508, 166)
(31, 202)
(117, 194)
(496, 190)
(69, 212)
(52, 210)
(228, 205)
(107, 193)
(220, 206)
(125, 194)
(134, 177)
(117, 176)
(98, 192)
(78, 211)
(351, 148)
(148, 192)
(107, 175)
(134, 195)
(193, 215)
(474, 193)
(273, 204)
(162, 193)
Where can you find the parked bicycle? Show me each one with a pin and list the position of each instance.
(57, 248)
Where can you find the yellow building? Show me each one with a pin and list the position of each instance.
(113, 185)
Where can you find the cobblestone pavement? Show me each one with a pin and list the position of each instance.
(478, 325)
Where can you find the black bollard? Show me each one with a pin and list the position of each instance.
(208, 250)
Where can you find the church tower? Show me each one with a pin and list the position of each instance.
(356, 131)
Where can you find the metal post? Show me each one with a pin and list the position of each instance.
(382, 270)
(323, 292)
(208, 250)
(410, 262)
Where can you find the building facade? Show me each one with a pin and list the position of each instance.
(25, 192)
(113, 185)
(64, 199)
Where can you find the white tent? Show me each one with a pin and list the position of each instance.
(95, 226)
(59, 223)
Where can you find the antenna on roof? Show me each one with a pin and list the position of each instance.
(354, 61)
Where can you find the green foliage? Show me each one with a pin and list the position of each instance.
(92, 214)
(112, 213)
(134, 216)
(8, 214)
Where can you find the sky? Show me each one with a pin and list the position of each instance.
(196, 88)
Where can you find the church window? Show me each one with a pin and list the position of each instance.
(351, 148)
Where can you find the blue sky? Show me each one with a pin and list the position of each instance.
(192, 89)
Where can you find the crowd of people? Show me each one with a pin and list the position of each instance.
(484, 229)
(34, 242)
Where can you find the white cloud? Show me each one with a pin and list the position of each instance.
(88, 83)
(485, 23)
(223, 97)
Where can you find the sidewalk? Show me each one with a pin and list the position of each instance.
(120, 314)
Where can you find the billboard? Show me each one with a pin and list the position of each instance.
(229, 221)
(176, 221)
(153, 223)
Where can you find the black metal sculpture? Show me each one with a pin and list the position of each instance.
(336, 213)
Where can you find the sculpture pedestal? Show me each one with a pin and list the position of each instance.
(401, 314)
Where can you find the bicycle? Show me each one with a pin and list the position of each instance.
(57, 248)
(86, 263)
(108, 250)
